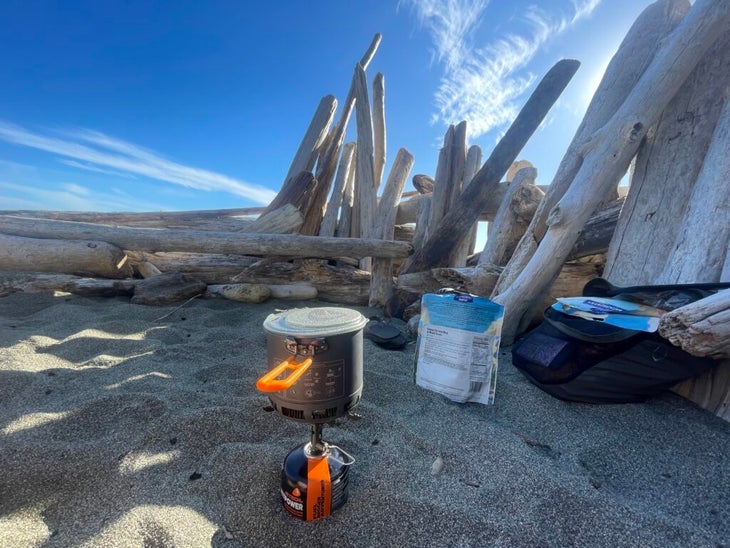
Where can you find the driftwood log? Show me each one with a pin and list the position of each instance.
(379, 138)
(632, 58)
(381, 281)
(81, 257)
(443, 240)
(346, 165)
(609, 154)
(145, 239)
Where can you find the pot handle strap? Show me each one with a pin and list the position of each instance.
(269, 382)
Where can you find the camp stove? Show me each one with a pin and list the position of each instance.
(315, 358)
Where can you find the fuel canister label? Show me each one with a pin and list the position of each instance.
(319, 489)
(293, 502)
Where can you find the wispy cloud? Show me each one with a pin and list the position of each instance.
(95, 169)
(483, 83)
(99, 151)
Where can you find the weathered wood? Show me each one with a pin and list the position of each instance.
(167, 288)
(441, 190)
(306, 154)
(329, 222)
(633, 56)
(211, 268)
(147, 269)
(609, 154)
(667, 167)
(381, 283)
(334, 283)
(85, 258)
(41, 282)
(466, 245)
(328, 160)
(150, 239)
(596, 235)
(245, 293)
(161, 219)
(379, 138)
(344, 225)
(698, 252)
(701, 328)
(297, 191)
(285, 220)
(365, 197)
(511, 222)
(423, 183)
(421, 235)
(443, 239)
(457, 164)
(293, 292)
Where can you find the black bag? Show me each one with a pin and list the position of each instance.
(588, 361)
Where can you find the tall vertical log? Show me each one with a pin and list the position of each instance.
(378, 128)
(609, 153)
(466, 245)
(632, 58)
(441, 191)
(444, 238)
(329, 222)
(344, 226)
(328, 161)
(381, 280)
(365, 183)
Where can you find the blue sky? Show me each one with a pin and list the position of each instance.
(151, 105)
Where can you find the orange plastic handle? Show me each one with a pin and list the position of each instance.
(269, 382)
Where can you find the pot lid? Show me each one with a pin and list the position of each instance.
(315, 322)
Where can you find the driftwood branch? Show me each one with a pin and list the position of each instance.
(444, 239)
(306, 155)
(148, 239)
(701, 328)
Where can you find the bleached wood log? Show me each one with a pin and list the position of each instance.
(421, 235)
(515, 168)
(609, 153)
(297, 191)
(379, 137)
(328, 160)
(725, 275)
(41, 282)
(159, 219)
(245, 293)
(381, 283)
(365, 202)
(509, 223)
(423, 183)
(443, 239)
(698, 253)
(211, 268)
(329, 222)
(701, 328)
(150, 239)
(306, 154)
(285, 220)
(167, 288)
(293, 292)
(147, 269)
(344, 225)
(87, 257)
(632, 58)
(667, 168)
(408, 209)
(441, 190)
(457, 164)
(466, 246)
(334, 283)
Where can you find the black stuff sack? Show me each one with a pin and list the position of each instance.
(587, 361)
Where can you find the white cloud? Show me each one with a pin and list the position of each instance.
(101, 151)
(90, 167)
(483, 83)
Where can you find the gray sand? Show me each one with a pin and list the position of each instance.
(121, 427)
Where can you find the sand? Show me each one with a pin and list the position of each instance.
(126, 425)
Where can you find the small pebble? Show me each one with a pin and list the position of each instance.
(437, 466)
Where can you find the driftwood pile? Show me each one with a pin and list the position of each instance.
(340, 231)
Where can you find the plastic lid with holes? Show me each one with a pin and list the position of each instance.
(315, 322)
